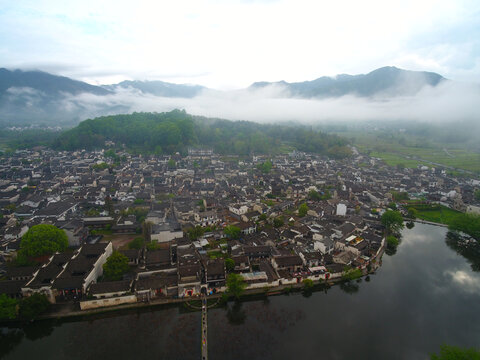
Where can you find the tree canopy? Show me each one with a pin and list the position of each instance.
(393, 221)
(33, 306)
(232, 231)
(136, 243)
(169, 132)
(229, 264)
(235, 285)
(265, 167)
(8, 307)
(448, 352)
(477, 194)
(350, 273)
(116, 266)
(43, 239)
(467, 223)
(303, 209)
(195, 232)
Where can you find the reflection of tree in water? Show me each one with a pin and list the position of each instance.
(392, 250)
(164, 334)
(350, 287)
(38, 329)
(9, 340)
(235, 314)
(470, 250)
(257, 337)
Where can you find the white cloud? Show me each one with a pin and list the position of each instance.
(467, 281)
(447, 102)
(229, 44)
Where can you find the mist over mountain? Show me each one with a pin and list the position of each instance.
(388, 93)
(159, 88)
(45, 83)
(388, 80)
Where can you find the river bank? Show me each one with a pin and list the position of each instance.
(418, 296)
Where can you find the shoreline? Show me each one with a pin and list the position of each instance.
(164, 302)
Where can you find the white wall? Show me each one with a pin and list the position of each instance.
(94, 304)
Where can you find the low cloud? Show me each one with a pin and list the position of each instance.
(467, 281)
(447, 102)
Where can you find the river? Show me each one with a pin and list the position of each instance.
(422, 296)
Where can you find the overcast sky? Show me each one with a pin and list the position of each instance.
(230, 44)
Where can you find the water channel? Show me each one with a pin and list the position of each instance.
(422, 296)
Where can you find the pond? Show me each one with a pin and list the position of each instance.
(424, 295)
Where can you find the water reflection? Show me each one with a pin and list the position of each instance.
(470, 250)
(38, 329)
(235, 314)
(423, 296)
(350, 287)
(9, 339)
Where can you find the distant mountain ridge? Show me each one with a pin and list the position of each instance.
(36, 97)
(159, 88)
(46, 83)
(389, 81)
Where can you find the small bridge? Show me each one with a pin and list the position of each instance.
(204, 328)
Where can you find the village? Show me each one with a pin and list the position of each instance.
(274, 220)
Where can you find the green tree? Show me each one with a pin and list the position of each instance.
(116, 266)
(229, 264)
(308, 284)
(232, 231)
(350, 273)
(195, 233)
(265, 167)
(477, 194)
(448, 352)
(302, 210)
(314, 195)
(136, 243)
(43, 239)
(235, 285)
(278, 222)
(263, 217)
(412, 213)
(392, 206)
(393, 221)
(392, 241)
(467, 223)
(33, 306)
(152, 246)
(8, 307)
(171, 164)
(109, 205)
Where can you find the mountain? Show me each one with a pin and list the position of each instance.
(35, 97)
(159, 88)
(388, 81)
(45, 83)
(175, 131)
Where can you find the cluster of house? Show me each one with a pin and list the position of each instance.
(82, 191)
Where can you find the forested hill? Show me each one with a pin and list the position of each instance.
(166, 133)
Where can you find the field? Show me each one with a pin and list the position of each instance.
(413, 151)
(435, 213)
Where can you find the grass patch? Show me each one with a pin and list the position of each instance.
(436, 213)
(215, 254)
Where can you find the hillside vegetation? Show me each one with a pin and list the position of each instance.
(166, 133)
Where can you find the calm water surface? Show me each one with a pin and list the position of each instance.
(421, 297)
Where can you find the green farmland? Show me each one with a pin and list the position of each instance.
(435, 213)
